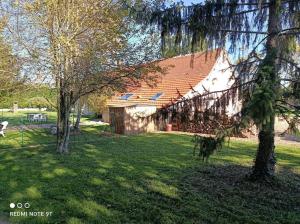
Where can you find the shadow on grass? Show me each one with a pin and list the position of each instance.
(228, 197)
(139, 179)
(39, 136)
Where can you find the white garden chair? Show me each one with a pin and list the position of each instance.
(3, 126)
(36, 117)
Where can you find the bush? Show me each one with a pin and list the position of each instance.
(39, 102)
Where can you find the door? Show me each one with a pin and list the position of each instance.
(116, 116)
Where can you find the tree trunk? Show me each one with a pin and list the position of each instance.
(265, 158)
(63, 123)
(78, 116)
(264, 165)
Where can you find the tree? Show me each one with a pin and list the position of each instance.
(39, 102)
(172, 49)
(33, 91)
(97, 102)
(79, 105)
(80, 46)
(269, 29)
(10, 80)
(78, 109)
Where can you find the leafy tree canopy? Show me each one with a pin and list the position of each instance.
(36, 95)
(10, 80)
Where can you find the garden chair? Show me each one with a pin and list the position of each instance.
(30, 117)
(43, 117)
(36, 117)
(3, 126)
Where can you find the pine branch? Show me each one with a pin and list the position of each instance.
(250, 3)
(289, 31)
(242, 31)
(295, 65)
(290, 80)
(297, 107)
(281, 33)
(219, 91)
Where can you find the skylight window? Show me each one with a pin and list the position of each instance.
(126, 96)
(156, 96)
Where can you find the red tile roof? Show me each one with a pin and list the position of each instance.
(182, 74)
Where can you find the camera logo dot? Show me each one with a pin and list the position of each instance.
(20, 205)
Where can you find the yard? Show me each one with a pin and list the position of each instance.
(39, 136)
(151, 178)
(197, 66)
(20, 117)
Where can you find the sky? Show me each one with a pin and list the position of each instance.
(189, 2)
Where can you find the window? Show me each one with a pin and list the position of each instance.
(156, 96)
(126, 96)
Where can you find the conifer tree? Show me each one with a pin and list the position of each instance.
(269, 31)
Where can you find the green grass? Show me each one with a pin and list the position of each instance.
(149, 178)
(20, 117)
(38, 136)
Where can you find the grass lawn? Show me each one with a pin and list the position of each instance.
(20, 117)
(39, 136)
(149, 178)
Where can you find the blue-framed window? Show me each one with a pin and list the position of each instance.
(156, 96)
(126, 96)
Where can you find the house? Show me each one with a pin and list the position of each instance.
(186, 76)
